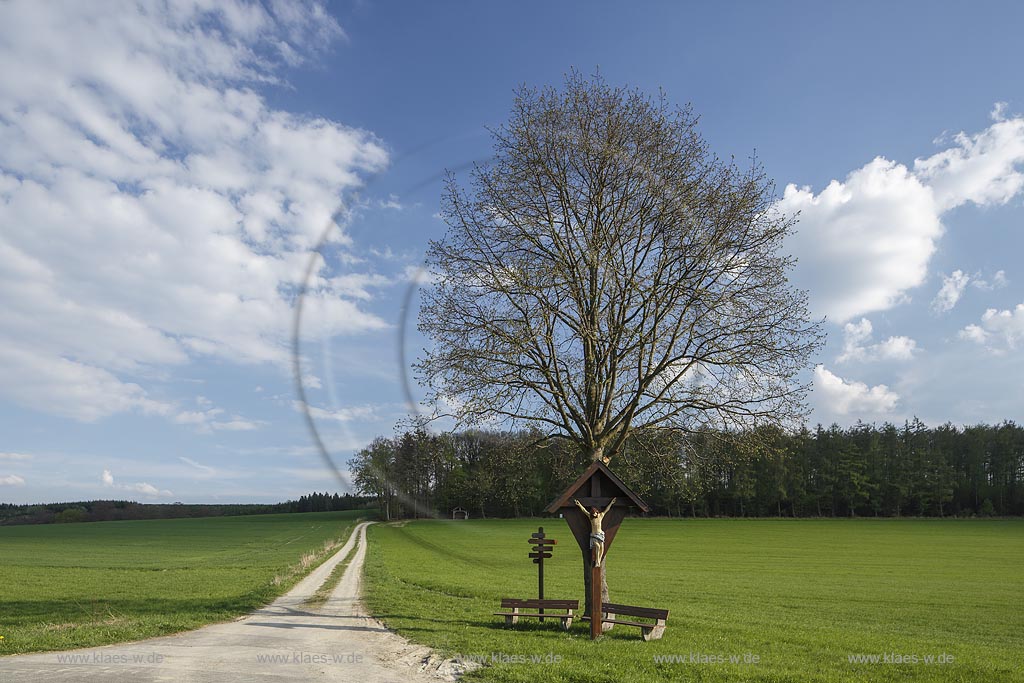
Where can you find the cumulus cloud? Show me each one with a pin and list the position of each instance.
(980, 168)
(853, 398)
(346, 414)
(952, 289)
(863, 243)
(156, 208)
(139, 487)
(856, 346)
(209, 420)
(147, 490)
(11, 480)
(999, 280)
(1000, 331)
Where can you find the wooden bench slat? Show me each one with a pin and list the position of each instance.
(540, 604)
(630, 610)
(565, 617)
(640, 625)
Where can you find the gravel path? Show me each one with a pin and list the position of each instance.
(284, 641)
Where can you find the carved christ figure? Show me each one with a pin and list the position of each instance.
(596, 532)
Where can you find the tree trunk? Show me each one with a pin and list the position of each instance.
(588, 568)
(597, 453)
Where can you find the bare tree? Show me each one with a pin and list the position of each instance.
(605, 272)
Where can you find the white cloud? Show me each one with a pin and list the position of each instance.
(207, 421)
(237, 424)
(205, 469)
(981, 168)
(974, 333)
(853, 398)
(392, 202)
(68, 388)
(155, 207)
(999, 280)
(896, 348)
(856, 347)
(999, 330)
(348, 414)
(15, 456)
(148, 490)
(11, 480)
(952, 289)
(865, 242)
(140, 487)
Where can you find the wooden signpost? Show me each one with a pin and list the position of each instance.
(542, 548)
(595, 488)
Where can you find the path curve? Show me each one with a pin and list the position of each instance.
(284, 641)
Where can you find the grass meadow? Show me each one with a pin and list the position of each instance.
(79, 585)
(801, 596)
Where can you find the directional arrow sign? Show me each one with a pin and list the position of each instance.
(540, 555)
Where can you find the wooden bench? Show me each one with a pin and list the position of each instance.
(651, 630)
(515, 604)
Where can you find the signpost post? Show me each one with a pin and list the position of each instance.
(542, 548)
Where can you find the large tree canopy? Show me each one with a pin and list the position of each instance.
(604, 271)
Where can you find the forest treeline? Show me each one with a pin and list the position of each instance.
(863, 470)
(110, 510)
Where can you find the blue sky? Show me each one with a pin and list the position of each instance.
(168, 169)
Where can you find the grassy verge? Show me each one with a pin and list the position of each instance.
(800, 596)
(327, 587)
(79, 585)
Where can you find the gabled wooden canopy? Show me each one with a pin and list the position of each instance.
(597, 482)
(595, 488)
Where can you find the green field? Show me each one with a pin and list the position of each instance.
(801, 595)
(79, 585)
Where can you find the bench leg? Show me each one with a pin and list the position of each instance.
(512, 619)
(656, 631)
(566, 623)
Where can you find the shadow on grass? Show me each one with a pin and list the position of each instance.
(33, 612)
(446, 550)
(550, 625)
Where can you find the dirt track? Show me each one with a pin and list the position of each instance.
(285, 641)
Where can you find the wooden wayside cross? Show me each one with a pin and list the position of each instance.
(596, 488)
